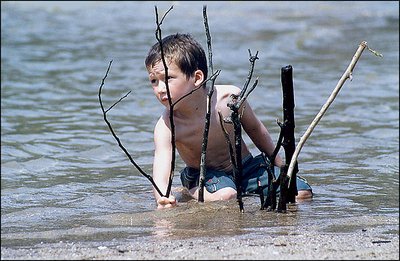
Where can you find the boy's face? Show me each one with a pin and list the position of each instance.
(179, 84)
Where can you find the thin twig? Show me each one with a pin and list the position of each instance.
(215, 75)
(252, 60)
(165, 14)
(241, 100)
(123, 97)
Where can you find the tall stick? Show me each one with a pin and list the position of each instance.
(288, 129)
(346, 75)
(171, 105)
(208, 112)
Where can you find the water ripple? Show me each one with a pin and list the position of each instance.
(62, 171)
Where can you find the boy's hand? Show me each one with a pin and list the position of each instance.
(164, 202)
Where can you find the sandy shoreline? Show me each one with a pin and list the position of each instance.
(310, 245)
(185, 233)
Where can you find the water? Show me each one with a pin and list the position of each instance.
(64, 178)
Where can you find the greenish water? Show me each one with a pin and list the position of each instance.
(64, 178)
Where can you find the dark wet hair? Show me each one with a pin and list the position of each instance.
(181, 49)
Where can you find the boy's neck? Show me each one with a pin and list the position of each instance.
(193, 105)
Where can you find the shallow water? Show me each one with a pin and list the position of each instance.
(64, 178)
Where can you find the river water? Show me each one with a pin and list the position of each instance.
(64, 178)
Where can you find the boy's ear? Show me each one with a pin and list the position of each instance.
(198, 77)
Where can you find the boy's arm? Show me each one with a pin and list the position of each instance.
(258, 133)
(162, 163)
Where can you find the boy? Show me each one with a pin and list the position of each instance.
(187, 69)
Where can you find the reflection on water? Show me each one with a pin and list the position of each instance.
(63, 177)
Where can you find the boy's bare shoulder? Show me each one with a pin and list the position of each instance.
(225, 91)
(227, 88)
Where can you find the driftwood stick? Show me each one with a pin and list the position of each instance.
(237, 127)
(235, 119)
(346, 75)
(208, 112)
(115, 135)
(288, 138)
(171, 105)
(208, 35)
(288, 135)
(283, 194)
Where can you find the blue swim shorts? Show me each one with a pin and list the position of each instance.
(255, 174)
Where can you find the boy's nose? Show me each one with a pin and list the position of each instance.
(161, 87)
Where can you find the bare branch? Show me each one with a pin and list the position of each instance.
(115, 135)
(252, 60)
(235, 119)
(171, 106)
(208, 35)
(208, 112)
(346, 75)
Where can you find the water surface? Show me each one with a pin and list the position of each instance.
(64, 178)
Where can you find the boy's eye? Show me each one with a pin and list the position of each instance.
(153, 81)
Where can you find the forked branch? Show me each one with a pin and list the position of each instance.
(115, 135)
(235, 119)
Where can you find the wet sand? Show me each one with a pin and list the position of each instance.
(181, 235)
(310, 245)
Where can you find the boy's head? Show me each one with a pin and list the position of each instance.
(182, 50)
